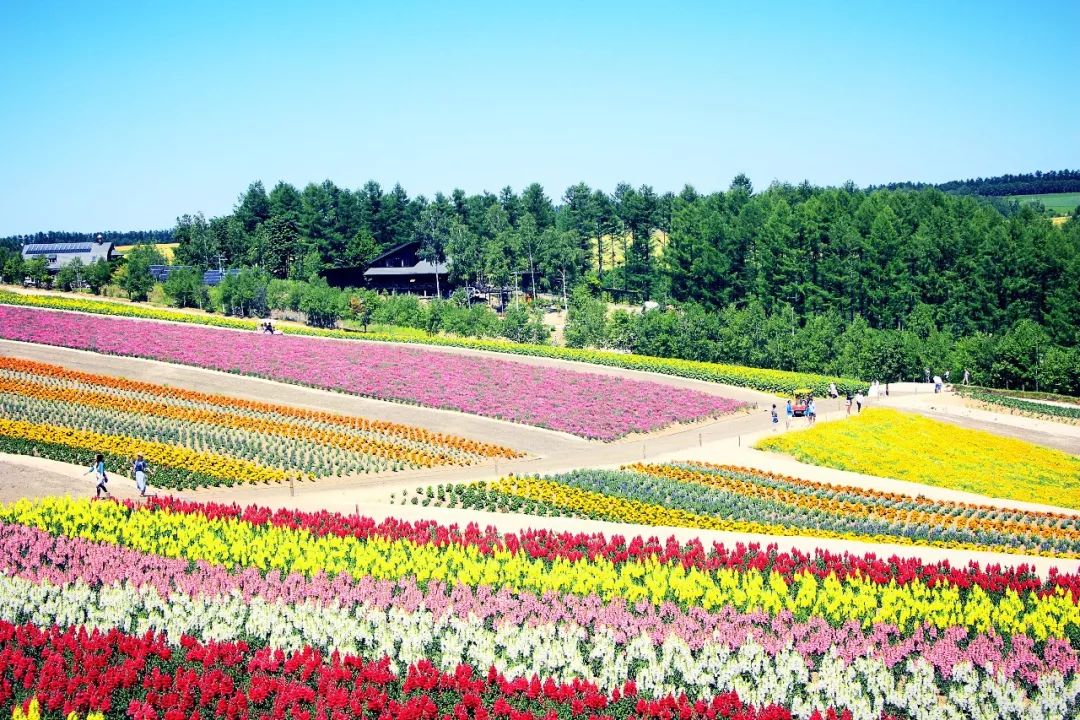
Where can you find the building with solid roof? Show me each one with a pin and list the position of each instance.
(57, 255)
(398, 270)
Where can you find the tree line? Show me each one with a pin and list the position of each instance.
(911, 276)
(1036, 183)
(921, 276)
(117, 237)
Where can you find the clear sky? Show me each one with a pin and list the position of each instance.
(124, 115)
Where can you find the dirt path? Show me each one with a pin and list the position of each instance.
(24, 477)
(31, 477)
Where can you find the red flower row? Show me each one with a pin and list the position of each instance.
(576, 546)
(72, 670)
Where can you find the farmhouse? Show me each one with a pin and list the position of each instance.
(399, 270)
(60, 254)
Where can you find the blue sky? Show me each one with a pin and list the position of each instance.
(124, 115)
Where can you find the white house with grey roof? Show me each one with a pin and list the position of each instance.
(60, 254)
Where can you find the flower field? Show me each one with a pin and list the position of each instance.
(889, 443)
(584, 404)
(774, 381)
(193, 439)
(1033, 408)
(742, 500)
(217, 611)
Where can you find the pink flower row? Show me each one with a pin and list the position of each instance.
(586, 404)
(39, 557)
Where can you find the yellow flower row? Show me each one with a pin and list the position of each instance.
(156, 453)
(33, 712)
(889, 443)
(233, 405)
(131, 406)
(643, 513)
(234, 543)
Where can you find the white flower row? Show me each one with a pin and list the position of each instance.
(561, 651)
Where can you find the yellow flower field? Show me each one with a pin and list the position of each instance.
(893, 444)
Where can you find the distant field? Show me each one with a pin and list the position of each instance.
(1060, 203)
(166, 249)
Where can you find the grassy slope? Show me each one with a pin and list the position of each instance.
(1061, 203)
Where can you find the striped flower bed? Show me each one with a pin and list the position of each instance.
(225, 601)
(739, 499)
(193, 439)
(585, 404)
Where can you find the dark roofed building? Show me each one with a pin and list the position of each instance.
(397, 270)
(60, 254)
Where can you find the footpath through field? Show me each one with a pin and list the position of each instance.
(61, 479)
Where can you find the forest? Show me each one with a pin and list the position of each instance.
(870, 283)
(1036, 183)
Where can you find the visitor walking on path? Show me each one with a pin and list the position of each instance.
(775, 418)
(833, 392)
(98, 468)
(926, 374)
(937, 384)
(967, 377)
(811, 411)
(948, 374)
(790, 414)
(858, 401)
(138, 471)
(848, 403)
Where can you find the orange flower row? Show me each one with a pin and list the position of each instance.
(155, 452)
(407, 432)
(354, 443)
(849, 508)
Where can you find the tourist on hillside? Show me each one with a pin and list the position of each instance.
(790, 414)
(98, 468)
(847, 403)
(937, 384)
(859, 401)
(833, 392)
(948, 375)
(811, 411)
(775, 418)
(967, 377)
(926, 374)
(138, 471)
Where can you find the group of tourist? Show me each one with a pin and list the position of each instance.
(940, 382)
(139, 468)
(858, 399)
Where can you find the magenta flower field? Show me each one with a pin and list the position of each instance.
(584, 404)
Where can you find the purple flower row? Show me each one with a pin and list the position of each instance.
(39, 557)
(585, 404)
